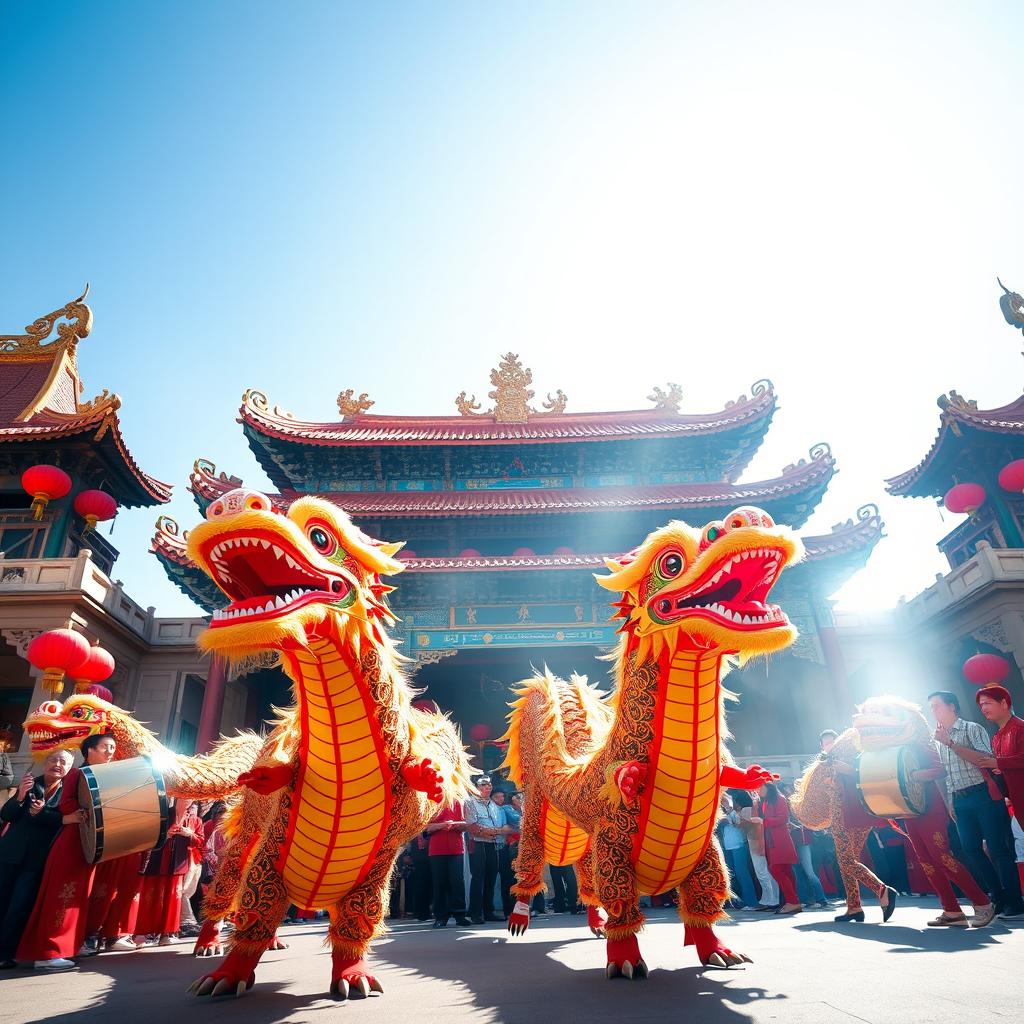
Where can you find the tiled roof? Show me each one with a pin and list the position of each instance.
(957, 413)
(547, 427)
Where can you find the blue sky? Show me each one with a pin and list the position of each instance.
(315, 196)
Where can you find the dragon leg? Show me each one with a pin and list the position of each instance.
(596, 917)
(356, 919)
(616, 887)
(262, 904)
(702, 896)
(529, 864)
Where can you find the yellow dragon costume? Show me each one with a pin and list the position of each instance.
(350, 773)
(627, 786)
(213, 776)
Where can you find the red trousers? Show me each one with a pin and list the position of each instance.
(931, 844)
(783, 874)
(114, 904)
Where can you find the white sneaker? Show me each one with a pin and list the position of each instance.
(165, 940)
(58, 963)
(121, 945)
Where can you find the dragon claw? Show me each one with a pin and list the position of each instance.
(276, 943)
(630, 778)
(266, 778)
(711, 951)
(222, 983)
(746, 778)
(351, 979)
(596, 918)
(208, 942)
(519, 919)
(624, 959)
(424, 777)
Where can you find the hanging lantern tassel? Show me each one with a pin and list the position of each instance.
(45, 484)
(95, 507)
(56, 652)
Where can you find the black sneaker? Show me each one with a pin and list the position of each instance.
(477, 920)
(463, 922)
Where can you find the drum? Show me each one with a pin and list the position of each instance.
(124, 809)
(884, 784)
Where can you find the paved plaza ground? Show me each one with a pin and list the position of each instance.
(806, 969)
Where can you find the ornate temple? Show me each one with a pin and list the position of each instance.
(978, 606)
(507, 511)
(55, 567)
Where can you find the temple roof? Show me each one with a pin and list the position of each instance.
(833, 557)
(954, 452)
(740, 426)
(806, 479)
(40, 391)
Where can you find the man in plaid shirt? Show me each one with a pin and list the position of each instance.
(978, 814)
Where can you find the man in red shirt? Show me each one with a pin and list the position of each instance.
(1007, 763)
(446, 852)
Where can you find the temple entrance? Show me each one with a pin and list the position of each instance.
(476, 686)
(16, 686)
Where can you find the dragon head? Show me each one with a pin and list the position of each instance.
(289, 576)
(55, 726)
(888, 721)
(710, 586)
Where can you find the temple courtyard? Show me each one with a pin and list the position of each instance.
(806, 969)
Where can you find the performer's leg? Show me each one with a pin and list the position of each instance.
(702, 897)
(439, 875)
(262, 905)
(456, 886)
(849, 843)
(356, 919)
(616, 887)
(932, 848)
(529, 863)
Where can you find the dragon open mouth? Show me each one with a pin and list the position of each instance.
(43, 737)
(266, 577)
(732, 592)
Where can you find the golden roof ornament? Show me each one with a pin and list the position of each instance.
(32, 343)
(1012, 305)
(667, 400)
(511, 395)
(350, 407)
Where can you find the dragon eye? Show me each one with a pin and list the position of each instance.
(711, 533)
(321, 540)
(671, 565)
(76, 713)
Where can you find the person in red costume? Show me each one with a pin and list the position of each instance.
(163, 877)
(1007, 763)
(57, 927)
(114, 904)
(779, 846)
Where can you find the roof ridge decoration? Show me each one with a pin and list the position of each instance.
(511, 395)
(351, 407)
(1012, 305)
(668, 400)
(31, 346)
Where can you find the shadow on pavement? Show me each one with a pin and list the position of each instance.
(914, 940)
(527, 982)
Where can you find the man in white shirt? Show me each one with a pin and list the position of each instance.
(485, 822)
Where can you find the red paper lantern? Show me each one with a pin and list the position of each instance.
(56, 652)
(965, 498)
(1011, 476)
(98, 665)
(45, 483)
(522, 552)
(479, 733)
(984, 669)
(95, 507)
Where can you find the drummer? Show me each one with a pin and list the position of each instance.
(927, 832)
(56, 929)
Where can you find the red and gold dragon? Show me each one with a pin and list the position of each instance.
(350, 773)
(213, 776)
(627, 786)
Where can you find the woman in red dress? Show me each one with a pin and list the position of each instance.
(779, 846)
(56, 929)
(163, 876)
(114, 904)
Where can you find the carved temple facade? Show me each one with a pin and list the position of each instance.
(508, 511)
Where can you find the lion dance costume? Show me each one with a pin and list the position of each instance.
(627, 786)
(824, 798)
(350, 773)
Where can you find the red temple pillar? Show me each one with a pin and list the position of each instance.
(213, 705)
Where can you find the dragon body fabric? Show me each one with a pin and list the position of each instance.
(213, 776)
(348, 774)
(626, 787)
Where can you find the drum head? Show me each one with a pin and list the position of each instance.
(124, 809)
